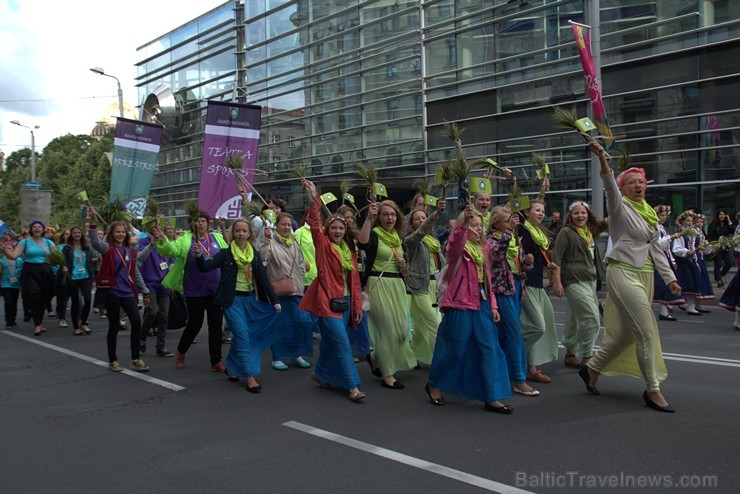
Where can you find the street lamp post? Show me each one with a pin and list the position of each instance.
(33, 148)
(99, 70)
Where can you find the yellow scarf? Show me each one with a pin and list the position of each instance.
(433, 244)
(288, 241)
(585, 234)
(647, 213)
(391, 239)
(538, 236)
(345, 255)
(242, 257)
(477, 254)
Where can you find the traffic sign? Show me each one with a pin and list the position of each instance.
(31, 185)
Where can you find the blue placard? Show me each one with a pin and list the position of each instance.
(31, 185)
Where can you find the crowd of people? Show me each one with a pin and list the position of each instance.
(468, 302)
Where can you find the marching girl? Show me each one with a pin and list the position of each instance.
(706, 292)
(731, 297)
(198, 287)
(61, 279)
(119, 277)
(338, 281)
(285, 264)
(538, 317)
(577, 254)
(359, 339)
(687, 268)
(154, 267)
(79, 271)
(249, 303)
(11, 288)
(662, 295)
(468, 360)
(37, 280)
(508, 265)
(380, 238)
(424, 260)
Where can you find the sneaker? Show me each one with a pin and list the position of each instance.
(96, 310)
(115, 366)
(11, 325)
(302, 363)
(52, 313)
(218, 367)
(139, 366)
(123, 324)
(165, 353)
(179, 360)
(63, 323)
(279, 365)
(225, 340)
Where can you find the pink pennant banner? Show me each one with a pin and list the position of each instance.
(582, 34)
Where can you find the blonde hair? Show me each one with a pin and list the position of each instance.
(497, 214)
(399, 215)
(252, 235)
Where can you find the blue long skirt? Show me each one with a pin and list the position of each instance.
(706, 291)
(688, 275)
(359, 339)
(510, 333)
(335, 365)
(253, 330)
(293, 337)
(731, 297)
(661, 294)
(467, 358)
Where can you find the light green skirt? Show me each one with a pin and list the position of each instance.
(425, 320)
(538, 327)
(388, 324)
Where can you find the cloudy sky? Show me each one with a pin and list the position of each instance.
(47, 48)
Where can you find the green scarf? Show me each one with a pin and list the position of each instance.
(288, 241)
(475, 252)
(585, 234)
(647, 213)
(391, 239)
(242, 257)
(433, 244)
(512, 251)
(538, 236)
(345, 255)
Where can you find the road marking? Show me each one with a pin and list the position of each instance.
(451, 473)
(137, 375)
(695, 359)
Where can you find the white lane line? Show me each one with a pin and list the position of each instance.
(694, 359)
(692, 322)
(451, 473)
(137, 375)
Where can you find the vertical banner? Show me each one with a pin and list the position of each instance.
(35, 205)
(582, 34)
(135, 152)
(231, 130)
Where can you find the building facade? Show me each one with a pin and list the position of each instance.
(342, 81)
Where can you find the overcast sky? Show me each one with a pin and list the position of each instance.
(47, 48)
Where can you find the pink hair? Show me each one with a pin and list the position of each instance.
(622, 176)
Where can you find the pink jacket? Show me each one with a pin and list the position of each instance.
(463, 291)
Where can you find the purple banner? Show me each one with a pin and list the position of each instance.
(231, 130)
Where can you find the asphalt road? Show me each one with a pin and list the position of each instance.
(70, 425)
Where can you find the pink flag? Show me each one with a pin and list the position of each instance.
(231, 130)
(583, 42)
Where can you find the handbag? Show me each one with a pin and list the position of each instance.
(339, 304)
(283, 287)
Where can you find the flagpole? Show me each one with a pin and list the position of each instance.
(597, 198)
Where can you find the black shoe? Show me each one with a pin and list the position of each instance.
(142, 348)
(505, 409)
(254, 389)
(165, 353)
(395, 385)
(704, 311)
(26, 318)
(651, 404)
(375, 370)
(435, 401)
(667, 318)
(232, 377)
(689, 313)
(720, 284)
(11, 325)
(583, 372)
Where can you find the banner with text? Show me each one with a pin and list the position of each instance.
(231, 130)
(135, 152)
(582, 34)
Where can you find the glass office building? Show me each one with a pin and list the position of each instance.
(342, 81)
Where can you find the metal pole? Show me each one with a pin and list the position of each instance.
(120, 98)
(33, 157)
(597, 197)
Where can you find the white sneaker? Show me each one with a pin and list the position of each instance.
(63, 323)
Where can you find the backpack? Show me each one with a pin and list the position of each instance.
(443, 280)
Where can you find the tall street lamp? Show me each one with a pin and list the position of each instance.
(33, 148)
(99, 70)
